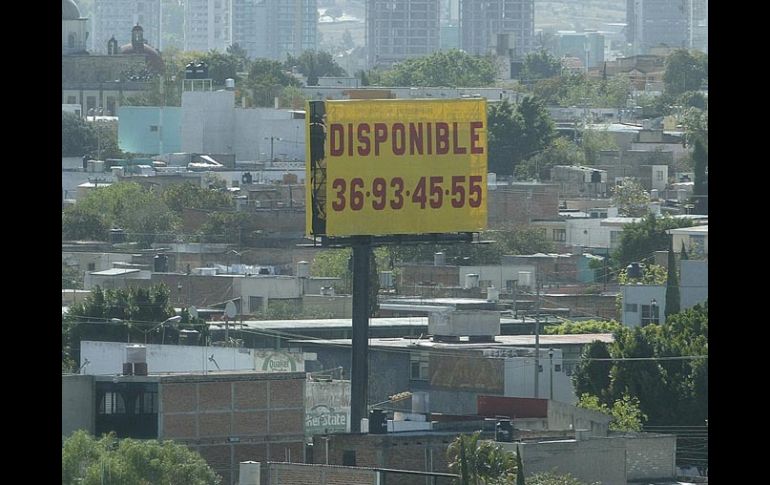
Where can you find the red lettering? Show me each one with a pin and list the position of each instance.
(350, 139)
(399, 131)
(336, 140)
(415, 138)
(380, 135)
(475, 136)
(442, 138)
(457, 148)
(430, 138)
(364, 146)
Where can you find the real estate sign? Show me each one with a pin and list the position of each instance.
(398, 167)
(327, 407)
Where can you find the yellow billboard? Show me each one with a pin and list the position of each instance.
(404, 167)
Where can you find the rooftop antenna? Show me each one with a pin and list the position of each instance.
(85, 363)
(211, 358)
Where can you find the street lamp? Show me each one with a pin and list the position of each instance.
(172, 320)
(550, 366)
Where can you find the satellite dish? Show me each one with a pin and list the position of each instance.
(230, 309)
(192, 311)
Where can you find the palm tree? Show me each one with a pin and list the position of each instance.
(480, 462)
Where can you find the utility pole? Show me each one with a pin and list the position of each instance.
(537, 336)
(360, 351)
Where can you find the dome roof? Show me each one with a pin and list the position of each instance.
(69, 10)
(154, 61)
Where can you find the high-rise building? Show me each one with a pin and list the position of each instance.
(400, 29)
(207, 25)
(116, 18)
(274, 28)
(657, 23)
(586, 46)
(483, 21)
(698, 21)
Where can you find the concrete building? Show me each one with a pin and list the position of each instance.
(586, 46)
(150, 130)
(100, 83)
(645, 304)
(453, 374)
(207, 25)
(227, 417)
(614, 459)
(211, 123)
(652, 23)
(695, 239)
(273, 29)
(698, 21)
(399, 29)
(74, 29)
(576, 181)
(116, 18)
(482, 21)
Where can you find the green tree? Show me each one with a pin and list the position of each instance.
(630, 198)
(480, 462)
(453, 68)
(136, 310)
(652, 274)
(672, 284)
(516, 134)
(314, 64)
(700, 187)
(141, 212)
(583, 326)
(79, 224)
(338, 263)
(266, 80)
(625, 412)
(593, 142)
(77, 139)
(226, 227)
(592, 373)
(540, 65)
(551, 478)
(293, 97)
(222, 66)
(641, 239)
(91, 461)
(685, 71)
(560, 152)
(190, 196)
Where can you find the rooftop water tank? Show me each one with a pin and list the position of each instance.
(303, 269)
(439, 259)
(136, 353)
(471, 280)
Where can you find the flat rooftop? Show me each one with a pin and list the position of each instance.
(500, 340)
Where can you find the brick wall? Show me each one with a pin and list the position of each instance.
(519, 205)
(413, 452)
(651, 456)
(229, 418)
(295, 474)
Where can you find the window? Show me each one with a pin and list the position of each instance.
(659, 175)
(557, 368)
(650, 314)
(91, 266)
(632, 308)
(540, 368)
(147, 403)
(153, 128)
(560, 235)
(72, 100)
(112, 403)
(419, 366)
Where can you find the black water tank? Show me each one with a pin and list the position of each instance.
(504, 431)
(378, 422)
(117, 236)
(160, 263)
(633, 270)
(189, 71)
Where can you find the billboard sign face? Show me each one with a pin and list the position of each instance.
(278, 361)
(327, 407)
(404, 167)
